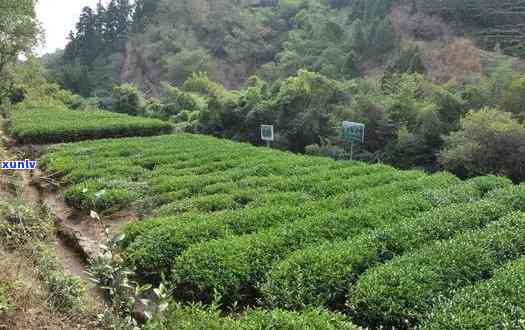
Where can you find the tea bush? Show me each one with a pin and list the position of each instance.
(400, 292)
(260, 226)
(178, 173)
(322, 274)
(37, 122)
(197, 317)
(208, 266)
(496, 303)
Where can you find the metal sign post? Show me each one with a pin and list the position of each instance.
(267, 134)
(353, 133)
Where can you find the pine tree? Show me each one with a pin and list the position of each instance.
(88, 40)
(123, 18)
(144, 11)
(357, 37)
(100, 22)
(384, 37)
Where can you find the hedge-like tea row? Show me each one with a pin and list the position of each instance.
(399, 293)
(234, 265)
(182, 173)
(152, 245)
(40, 123)
(321, 275)
(179, 317)
(315, 185)
(497, 303)
(153, 250)
(243, 220)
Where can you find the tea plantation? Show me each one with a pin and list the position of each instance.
(42, 123)
(286, 237)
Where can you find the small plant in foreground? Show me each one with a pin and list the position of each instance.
(109, 273)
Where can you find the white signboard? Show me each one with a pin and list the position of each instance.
(267, 133)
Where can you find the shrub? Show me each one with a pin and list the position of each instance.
(400, 292)
(102, 197)
(5, 304)
(514, 101)
(152, 255)
(156, 172)
(66, 292)
(490, 141)
(494, 303)
(154, 247)
(127, 99)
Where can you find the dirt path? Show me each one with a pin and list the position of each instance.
(31, 311)
(71, 245)
(71, 256)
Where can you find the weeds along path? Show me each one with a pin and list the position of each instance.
(75, 241)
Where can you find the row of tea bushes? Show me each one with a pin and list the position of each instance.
(181, 172)
(234, 265)
(322, 275)
(37, 122)
(496, 303)
(198, 317)
(400, 292)
(151, 256)
(234, 224)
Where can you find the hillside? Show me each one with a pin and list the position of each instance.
(416, 73)
(231, 40)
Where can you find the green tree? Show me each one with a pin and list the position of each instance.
(489, 141)
(382, 37)
(409, 61)
(305, 104)
(144, 11)
(127, 99)
(19, 31)
(514, 97)
(96, 49)
(179, 67)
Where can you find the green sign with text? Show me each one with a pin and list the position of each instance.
(353, 132)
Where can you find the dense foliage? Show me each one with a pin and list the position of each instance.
(489, 141)
(166, 169)
(410, 121)
(19, 32)
(321, 275)
(245, 237)
(400, 292)
(92, 61)
(153, 41)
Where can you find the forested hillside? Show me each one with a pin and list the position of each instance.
(166, 40)
(416, 72)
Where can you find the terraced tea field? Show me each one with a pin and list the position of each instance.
(42, 123)
(254, 227)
